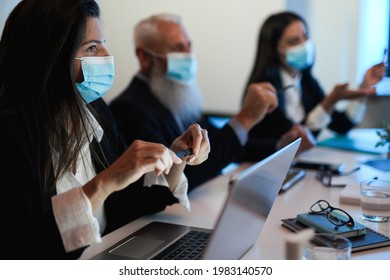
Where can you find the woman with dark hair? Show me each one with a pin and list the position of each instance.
(285, 56)
(67, 175)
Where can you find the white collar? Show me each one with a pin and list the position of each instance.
(287, 79)
(94, 128)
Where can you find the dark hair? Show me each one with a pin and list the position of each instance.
(37, 49)
(267, 57)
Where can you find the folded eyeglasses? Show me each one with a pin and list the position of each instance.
(336, 216)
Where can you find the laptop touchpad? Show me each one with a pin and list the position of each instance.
(136, 247)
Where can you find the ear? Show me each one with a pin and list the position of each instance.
(145, 61)
(140, 53)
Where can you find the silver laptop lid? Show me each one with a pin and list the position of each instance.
(248, 205)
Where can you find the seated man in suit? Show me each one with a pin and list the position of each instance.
(163, 99)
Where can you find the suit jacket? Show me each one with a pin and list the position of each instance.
(28, 223)
(266, 133)
(141, 115)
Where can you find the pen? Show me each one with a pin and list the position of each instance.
(186, 152)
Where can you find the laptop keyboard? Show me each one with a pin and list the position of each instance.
(189, 247)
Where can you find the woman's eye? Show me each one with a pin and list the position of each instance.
(92, 49)
(292, 43)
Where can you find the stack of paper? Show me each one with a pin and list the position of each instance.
(350, 194)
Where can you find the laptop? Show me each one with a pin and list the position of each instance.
(248, 204)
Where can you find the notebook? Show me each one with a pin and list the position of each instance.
(249, 202)
(321, 224)
(372, 239)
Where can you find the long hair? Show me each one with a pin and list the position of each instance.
(37, 49)
(267, 56)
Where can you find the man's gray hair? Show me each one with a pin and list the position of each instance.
(147, 29)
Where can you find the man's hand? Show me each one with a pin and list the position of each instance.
(260, 100)
(297, 131)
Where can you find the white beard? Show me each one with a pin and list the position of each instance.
(183, 100)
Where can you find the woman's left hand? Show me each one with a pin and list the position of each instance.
(373, 75)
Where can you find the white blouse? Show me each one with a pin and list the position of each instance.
(317, 118)
(72, 209)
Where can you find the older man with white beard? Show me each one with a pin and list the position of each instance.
(163, 98)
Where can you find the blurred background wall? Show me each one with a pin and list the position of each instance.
(349, 37)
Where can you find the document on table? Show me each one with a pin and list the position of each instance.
(350, 194)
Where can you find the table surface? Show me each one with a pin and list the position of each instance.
(207, 201)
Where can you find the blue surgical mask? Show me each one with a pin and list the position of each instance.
(98, 74)
(181, 67)
(301, 57)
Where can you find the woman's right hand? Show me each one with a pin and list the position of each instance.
(342, 92)
(140, 158)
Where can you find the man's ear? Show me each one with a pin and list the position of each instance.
(142, 55)
(144, 59)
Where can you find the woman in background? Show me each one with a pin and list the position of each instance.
(285, 56)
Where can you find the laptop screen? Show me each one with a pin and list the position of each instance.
(249, 204)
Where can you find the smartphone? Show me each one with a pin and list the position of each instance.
(184, 153)
(293, 176)
(335, 168)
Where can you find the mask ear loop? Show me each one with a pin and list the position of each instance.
(154, 54)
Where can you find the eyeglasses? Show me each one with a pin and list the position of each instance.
(336, 216)
(325, 177)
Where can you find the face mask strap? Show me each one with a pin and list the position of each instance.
(109, 59)
(154, 54)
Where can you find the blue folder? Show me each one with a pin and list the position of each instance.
(360, 140)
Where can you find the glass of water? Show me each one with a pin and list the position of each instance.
(375, 200)
(327, 247)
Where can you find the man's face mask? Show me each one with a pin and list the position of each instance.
(98, 74)
(301, 57)
(181, 67)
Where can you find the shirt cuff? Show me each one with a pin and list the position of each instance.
(356, 110)
(180, 191)
(318, 118)
(239, 130)
(74, 216)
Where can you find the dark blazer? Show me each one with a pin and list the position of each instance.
(266, 133)
(29, 227)
(140, 115)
